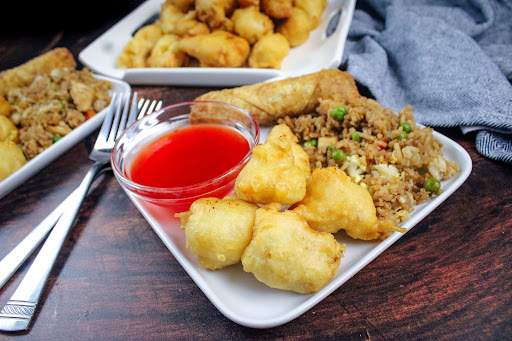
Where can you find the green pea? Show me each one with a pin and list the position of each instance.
(338, 155)
(312, 142)
(339, 113)
(406, 127)
(402, 135)
(356, 137)
(56, 138)
(433, 185)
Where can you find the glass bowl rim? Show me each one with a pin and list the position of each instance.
(195, 187)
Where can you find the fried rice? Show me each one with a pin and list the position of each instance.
(53, 105)
(391, 163)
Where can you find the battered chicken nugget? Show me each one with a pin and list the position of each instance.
(314, 8)
(173, 21)
(166, 53)
(218, 230)
(5, 107)
(296, 28)
(182, 5)
(12, 158)
(277, 8)
(246, 3)
(285, 253)
(277, 171)
(138, 49)
(8, 131)
(214, 12)
(333, 202)
(217, 49)
(269, 51)
(251, 24)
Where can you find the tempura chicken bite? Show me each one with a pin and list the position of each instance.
(251, 24)
(333, 202)
(12, 158)
(173, 21)
(314, 8)
(166, 53)
(217, 49)
(269, 51)
(218, 230)
(277, 8)
(245, 3)
(183, 5)
(138, 49)
(285, 253)
(277, 171)
(214, 12)
(296, 28)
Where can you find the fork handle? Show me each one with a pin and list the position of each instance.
(14, 259)
(19, 310)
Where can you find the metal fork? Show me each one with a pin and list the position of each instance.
(19, 310)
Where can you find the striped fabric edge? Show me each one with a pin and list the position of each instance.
(494, 145)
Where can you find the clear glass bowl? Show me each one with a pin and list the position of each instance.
(163, 203)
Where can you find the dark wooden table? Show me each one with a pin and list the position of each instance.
(450, 278)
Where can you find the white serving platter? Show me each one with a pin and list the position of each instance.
(55, 150)
(320, 51)
(244, 300)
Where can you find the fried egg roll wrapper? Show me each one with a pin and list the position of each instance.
(23, 75)
(267, 102)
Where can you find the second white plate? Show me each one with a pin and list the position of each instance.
(319, 52)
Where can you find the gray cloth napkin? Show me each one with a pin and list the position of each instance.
(451, 60)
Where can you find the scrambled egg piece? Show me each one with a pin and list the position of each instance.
(285, 253)
(218, 230)
(277, 172)
(333, 202)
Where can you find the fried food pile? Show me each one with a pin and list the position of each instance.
(293, 249)
(223, 33)
(42, 101)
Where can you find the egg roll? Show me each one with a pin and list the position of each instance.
(267, 102)
(23, 75)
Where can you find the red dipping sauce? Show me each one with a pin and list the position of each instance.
(188, 156)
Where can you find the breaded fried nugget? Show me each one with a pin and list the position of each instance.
(218, 230)
(8, 131)
(314, 8)
(277, 8)
(217, 49)
(277, 171)
(269, 51)
(296, 28)
(214, 12)
(173, 21)
(166, 53)
(138, 49)
(182, 5)
(251, 24)
(245, 3)
(333, 202)
(285, 253)
(12, 158)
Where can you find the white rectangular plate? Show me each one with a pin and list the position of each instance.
(244, 300)
(318, 52)
(55, 150)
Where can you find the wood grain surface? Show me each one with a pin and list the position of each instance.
(449, 278)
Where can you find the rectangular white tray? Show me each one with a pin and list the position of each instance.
(318, 52)
(57, 149)
(244, 300)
